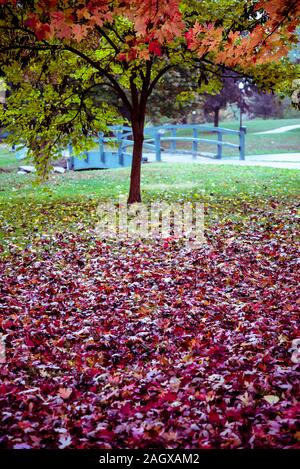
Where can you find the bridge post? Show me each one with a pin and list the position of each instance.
(242, 142)
(70, 160)
(219, 145)
(120, 149)
(195, 143)
(157, 145)
(173, 142)
(101, 145)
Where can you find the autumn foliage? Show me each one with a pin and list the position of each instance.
(142, 345)
(156, 24)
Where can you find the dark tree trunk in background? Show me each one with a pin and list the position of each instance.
(216, 117)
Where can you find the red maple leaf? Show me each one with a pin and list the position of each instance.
(155, 48)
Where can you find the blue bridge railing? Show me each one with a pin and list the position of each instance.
(157, 139)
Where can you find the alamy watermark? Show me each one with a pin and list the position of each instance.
(295, 349)
(157, 220)
(2, 349)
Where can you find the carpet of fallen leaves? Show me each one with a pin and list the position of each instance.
(148, 344)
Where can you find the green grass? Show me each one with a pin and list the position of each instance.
(159, 179)
(255, 125)
(69, 201)
(261, 125)
(7, 159)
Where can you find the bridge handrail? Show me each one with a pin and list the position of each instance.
(203, 127)
(156, 135)
(128, 143)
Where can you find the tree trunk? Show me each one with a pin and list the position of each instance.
(135, 176)
(216, 117)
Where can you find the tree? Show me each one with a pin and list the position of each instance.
(229, 94)
(56, 51)
(265, 105)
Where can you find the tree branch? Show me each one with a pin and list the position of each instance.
(104, 73)
(157, 78)
(106, 36)
(146, 83)
(224, 67)
(134, 93)
(24, 47)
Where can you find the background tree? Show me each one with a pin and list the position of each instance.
(56, 51)
(229, 94)
(265, 105)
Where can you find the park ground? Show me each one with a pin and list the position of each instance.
(147, 344)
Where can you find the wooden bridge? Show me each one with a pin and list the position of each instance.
(111, 151)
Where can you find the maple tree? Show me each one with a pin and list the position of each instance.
(55, 52)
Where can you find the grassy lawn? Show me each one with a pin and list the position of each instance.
(7, 159)
(69, 201)
(158, 180)
(261, 125)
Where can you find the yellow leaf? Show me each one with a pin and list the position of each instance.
(271, 399)
(297, 436)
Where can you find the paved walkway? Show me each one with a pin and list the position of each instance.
(283, 160)
(279, 130)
